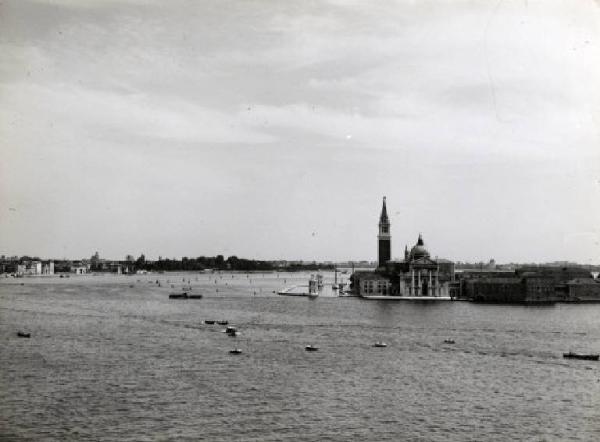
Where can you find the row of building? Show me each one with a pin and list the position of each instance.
(34, 267)
(531, 284)
(28, 268)
(420, 276)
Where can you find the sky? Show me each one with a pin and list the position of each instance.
(272, 130)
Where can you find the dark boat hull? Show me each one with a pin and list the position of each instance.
(583, 357)
(184, 295)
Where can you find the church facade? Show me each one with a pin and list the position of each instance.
(417, 275)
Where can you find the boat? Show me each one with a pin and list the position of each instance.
(235, 351)
(587, 357)
(310, 347)
(448, 341)
(231, 331)
(23, 335)
(195, 296)
(210, 322)
(183, 295)
(222, 322)
(296, 290)
(380, 344)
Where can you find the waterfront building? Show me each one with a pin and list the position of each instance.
(48, 268)
(584, 290)
(370, 283)
(29, 268)
(79, 268)
(531, 284)
(417, 275)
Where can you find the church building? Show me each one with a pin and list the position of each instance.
(417, 275)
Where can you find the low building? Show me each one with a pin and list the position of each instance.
(498, 289)
(367, 283)
(48, 268)
(29, 268)
(583, 290)
(79, 269)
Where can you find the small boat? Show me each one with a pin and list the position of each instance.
(231, 331)
(23, 335)
(210, 322)
(222, 322)
(448, 341)
(589, 357)
(380, 344)
(310, 347)
(183, 295)
(235, 351)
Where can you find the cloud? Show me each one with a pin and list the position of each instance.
(81, 114)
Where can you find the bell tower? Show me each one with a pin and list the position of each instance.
(384, 237)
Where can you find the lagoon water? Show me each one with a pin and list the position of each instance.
(112, 358)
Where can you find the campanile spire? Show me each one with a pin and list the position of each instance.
(384, 237)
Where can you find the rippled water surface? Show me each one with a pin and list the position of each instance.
(112, 358)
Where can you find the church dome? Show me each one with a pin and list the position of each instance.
(419, 251)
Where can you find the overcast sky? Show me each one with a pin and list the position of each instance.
(270, 129)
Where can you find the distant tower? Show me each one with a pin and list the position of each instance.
(384, 237)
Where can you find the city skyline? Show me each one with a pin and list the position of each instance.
(272, 131)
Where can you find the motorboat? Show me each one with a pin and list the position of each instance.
(23, 334)
(231, 331)
(380, 344)
(183, 295)
(449, 341)
(310, 347)
(209, 322)
(235, 351)
(587, 357)
(222, 322)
